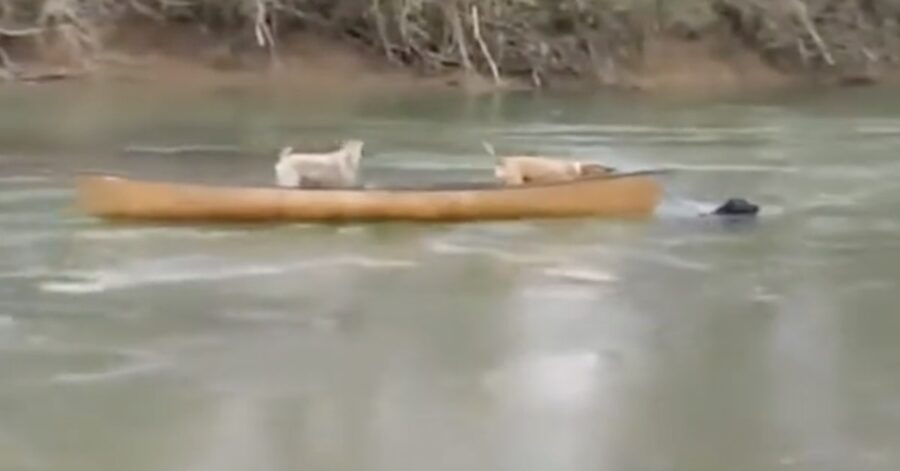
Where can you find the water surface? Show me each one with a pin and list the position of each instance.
(675, 343)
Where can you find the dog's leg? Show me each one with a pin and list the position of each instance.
(312, 183)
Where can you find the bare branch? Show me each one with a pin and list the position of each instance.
(20, 32)
(451, 11)
(381, 26)
(802, 13)
(476, 30)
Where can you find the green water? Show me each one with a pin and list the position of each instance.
(675, 343)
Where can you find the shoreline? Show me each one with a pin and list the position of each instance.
(185, 56)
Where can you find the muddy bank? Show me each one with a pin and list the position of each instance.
(703, 46)
(181, 56)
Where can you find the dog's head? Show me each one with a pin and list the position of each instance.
(737, 207)
(285, 151)
(353, 148)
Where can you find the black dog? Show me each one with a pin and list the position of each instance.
(737, 207)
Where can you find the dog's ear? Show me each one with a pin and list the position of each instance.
(354, 146)
(285, 151)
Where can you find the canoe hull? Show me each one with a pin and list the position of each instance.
(114, 197)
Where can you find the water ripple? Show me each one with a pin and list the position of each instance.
(581, 274)
(23, 179)
(85, 282)
(449, 248)
(138, 366)
(143, 233)
(33, 194)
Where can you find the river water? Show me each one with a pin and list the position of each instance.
(672, 343)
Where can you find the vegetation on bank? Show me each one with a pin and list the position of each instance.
(534, 40)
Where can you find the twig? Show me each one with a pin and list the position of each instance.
(476, 30)
(803, 15)
(264, 36)
(870, 56)
(5, 72)
(381, 26)
(489, 148)
(536, 78)
(403, 23)
(34, 77)
(149, 12)
(459, 35)
(7, 63)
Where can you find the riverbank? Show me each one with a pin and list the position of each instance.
(695, 47)
(182, 56)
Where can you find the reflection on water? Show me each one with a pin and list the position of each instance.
(674, 343)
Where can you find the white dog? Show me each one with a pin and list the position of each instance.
(329, 169)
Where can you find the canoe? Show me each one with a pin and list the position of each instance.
(633, 194)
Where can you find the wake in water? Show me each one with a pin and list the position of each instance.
(680, 207)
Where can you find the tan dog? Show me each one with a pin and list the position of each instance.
(329, 169)
(518, 170)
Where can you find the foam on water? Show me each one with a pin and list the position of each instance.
(129, 369)
(369, 262)
(581, 274)
(682, 208)
(448, 248)
(22, 179)
(888, 128)
(673, 261)
(763, 294)
(85, 282)
(143, 233)
(10, 239)
(747, 168)
(567, 292)
(609, 134)
(75, 287)
(33, 194)
(575, 129)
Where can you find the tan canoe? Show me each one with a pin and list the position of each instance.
(616, 195)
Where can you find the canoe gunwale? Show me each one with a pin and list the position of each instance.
(439, 187)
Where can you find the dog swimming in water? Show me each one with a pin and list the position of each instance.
(737, 207)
